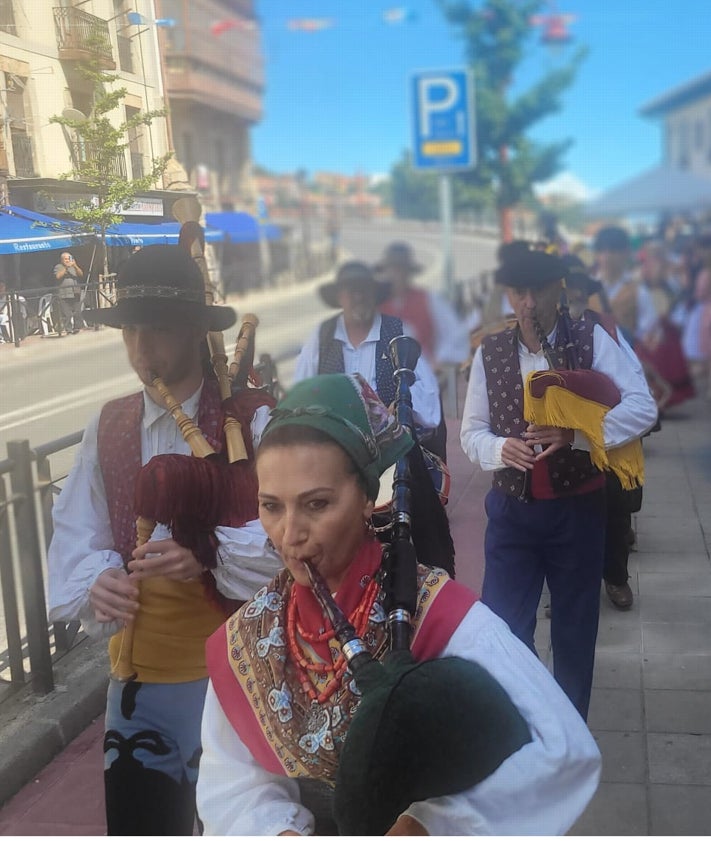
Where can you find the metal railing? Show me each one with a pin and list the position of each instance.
(36, 312)
(81, 34)
(83, 153)
(32, 644)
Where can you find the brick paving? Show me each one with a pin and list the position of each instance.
(652, 687)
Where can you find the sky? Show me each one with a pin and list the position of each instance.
(337, 99)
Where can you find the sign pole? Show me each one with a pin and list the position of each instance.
(445, 214)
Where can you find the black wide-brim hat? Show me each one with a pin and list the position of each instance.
(353, 274)
(161, 285)
(398, 254)
(529, 269)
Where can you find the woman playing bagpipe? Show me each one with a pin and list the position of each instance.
(546, 433)
(361, 668)
(159, 601)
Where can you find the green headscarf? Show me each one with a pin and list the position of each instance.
(346, 409)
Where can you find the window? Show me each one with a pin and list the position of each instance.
(7, 17)
(188, 155)
(135, 146)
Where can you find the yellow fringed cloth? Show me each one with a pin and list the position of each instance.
(580, 400)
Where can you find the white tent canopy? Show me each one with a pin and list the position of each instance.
(659, 190)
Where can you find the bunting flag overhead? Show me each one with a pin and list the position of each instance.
(240, 24)
(399, 14)
(393, 16)
(137, 19)
(310, 24)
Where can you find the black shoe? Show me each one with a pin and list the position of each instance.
(620, 595)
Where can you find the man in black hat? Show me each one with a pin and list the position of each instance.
(546, 508)
(153, 723)
(356, 341)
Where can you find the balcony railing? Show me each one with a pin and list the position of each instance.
(81, 36)
(23, 153)
(84, 155)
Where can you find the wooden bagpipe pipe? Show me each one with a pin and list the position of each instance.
(421, 730)
(192, 495)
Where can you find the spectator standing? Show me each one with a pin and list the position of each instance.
(68, 274)
(546, 509)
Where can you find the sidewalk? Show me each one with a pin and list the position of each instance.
(652, 688)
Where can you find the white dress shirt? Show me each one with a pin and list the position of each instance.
(361, 360)
(541, 789)
(82, 543)
(634, 415)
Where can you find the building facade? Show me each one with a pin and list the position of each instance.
(214, 78)
(686, 115)
(41, 45)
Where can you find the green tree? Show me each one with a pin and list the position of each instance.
(496, 35)
(98, 154)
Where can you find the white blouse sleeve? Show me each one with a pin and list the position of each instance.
(245, 562)
(544, 787)
(235, 795)
(82, 542)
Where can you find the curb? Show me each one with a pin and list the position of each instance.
(35, 728)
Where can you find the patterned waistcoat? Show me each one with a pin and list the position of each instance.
(567, 472)
(330, 356)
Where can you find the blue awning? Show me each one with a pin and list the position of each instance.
(163, 233)
(240, 227)
(125, 233)
(23, 235)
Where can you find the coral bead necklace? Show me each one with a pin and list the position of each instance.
(359, 619)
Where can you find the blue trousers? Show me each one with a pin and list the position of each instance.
(560, 541)
(151, 755)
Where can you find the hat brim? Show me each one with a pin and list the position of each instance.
(131, 311)
(330, 292)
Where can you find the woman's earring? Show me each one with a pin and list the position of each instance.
(369, 528)
(270, 544)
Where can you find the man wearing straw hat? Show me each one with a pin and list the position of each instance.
(152, 743)
(356, 340)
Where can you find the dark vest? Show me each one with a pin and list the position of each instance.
(119, 446)
(567, 472)
(330, 355)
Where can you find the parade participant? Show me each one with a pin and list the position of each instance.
(431, 319)
(697, 330)
(620, 503)
(629, 302)
(356, 341)
(152, 740)
(281, 702)
(660, 350)
(546, 508)
(68, 274)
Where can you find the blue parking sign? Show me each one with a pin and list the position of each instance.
(443, 120)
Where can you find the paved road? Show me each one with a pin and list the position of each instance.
(51, 387)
